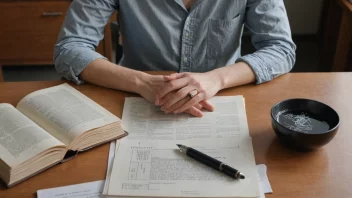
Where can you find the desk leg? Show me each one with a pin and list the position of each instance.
(1, 78)
(343, 42)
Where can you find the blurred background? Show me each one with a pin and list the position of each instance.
(321, 29)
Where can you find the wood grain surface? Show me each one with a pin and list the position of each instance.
(30, 28)
(323, 173)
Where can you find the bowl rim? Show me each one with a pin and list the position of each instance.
(328, 131)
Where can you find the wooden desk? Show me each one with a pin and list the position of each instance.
(324, 173)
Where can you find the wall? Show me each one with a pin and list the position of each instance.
(304, 15)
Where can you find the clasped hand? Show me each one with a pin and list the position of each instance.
(172, 92)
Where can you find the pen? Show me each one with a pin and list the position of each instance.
(212, 162)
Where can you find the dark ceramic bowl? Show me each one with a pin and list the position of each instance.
(304, 124)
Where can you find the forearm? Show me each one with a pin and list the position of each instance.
(107, 74)
(268, 24)
(235, 75)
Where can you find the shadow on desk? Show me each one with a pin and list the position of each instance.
(288, 165)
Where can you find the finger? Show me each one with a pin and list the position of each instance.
(194, 111)
(207, 105)
(177, 105)
(198, 106)
(199, 97)
(166, 98)
(173, 76)
(158, 79)
(179, 95)
(172, 86)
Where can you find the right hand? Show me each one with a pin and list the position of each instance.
(150, 85)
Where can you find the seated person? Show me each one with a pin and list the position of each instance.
(198, 39)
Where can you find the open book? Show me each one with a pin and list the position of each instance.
(45, 125)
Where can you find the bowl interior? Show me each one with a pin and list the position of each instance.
(305, 116)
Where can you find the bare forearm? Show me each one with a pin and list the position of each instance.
(235, 75)
(107, 74)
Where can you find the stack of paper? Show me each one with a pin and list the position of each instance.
(95, 189)
(148, 164)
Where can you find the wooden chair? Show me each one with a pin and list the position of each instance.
(1, 77)
(337, 35)
(344, 37)
(115, 31)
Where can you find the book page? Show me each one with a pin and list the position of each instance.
(143, 120)
(64, 112)
(20, 138)
(157, 168)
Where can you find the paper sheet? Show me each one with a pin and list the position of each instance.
(157, 169)
(95, 189)
(145, 121)
(161, 172)
(111, 157)
(90, 189)
(264, 185)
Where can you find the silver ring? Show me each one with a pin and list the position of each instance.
(192, 93)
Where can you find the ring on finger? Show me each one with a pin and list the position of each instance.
(192, 93)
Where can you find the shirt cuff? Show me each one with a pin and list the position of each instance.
(259, 67)
(78, 60)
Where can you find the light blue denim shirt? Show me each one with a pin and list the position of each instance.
(164, 35)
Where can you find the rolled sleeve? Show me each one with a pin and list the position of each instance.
(258, 66)
(73, 58)
(80, 34)
(271, 36)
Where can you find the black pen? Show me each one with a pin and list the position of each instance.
(214, 163)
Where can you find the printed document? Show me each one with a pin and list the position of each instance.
(94, 189)
(148, 163)
(143, 120)
(158, 169)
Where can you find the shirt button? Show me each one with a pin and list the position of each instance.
(186, 34)
(185, 59)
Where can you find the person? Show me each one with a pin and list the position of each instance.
(200, 40)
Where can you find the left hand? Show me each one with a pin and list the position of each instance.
(174, 96)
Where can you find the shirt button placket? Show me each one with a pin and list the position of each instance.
(186, 46)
